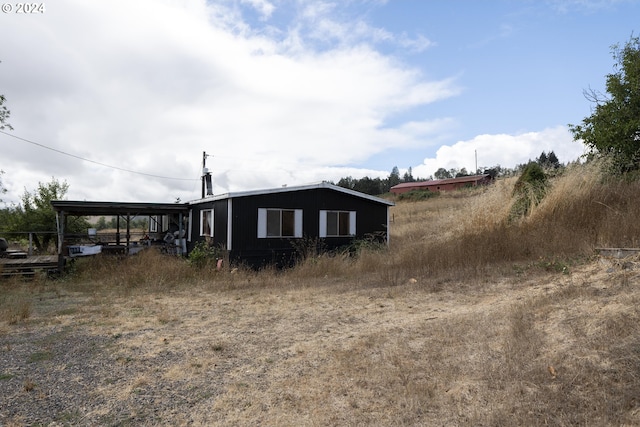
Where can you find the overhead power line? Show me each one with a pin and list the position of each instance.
(95, 162)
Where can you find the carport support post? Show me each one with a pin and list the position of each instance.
(128, 236)
(118, 229)
(180, 236)
(60, 219)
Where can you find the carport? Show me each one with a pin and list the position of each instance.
(124, 210)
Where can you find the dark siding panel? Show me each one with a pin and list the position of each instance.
(247, 247)
(219, 222)
(371, 218)
(220, 218)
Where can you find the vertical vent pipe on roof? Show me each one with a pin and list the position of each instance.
(207, 185)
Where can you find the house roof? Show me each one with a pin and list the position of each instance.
(314, 186)
(88, 208)
(85, 208)
(472, 178)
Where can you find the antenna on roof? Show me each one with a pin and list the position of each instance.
(207, 185)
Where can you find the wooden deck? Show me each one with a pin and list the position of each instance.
(28, 266)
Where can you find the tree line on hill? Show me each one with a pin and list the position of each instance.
(377, 186)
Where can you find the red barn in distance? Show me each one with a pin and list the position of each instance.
(443, 184)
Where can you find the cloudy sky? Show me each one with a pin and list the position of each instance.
(120, 98)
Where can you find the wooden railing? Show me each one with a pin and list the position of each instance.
(27, 234)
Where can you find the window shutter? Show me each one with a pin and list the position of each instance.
(298, 223)
(323, 224)
(352, 223)
(262, 223)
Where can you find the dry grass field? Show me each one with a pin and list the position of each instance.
(468, 318)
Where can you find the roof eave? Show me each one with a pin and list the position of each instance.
(319, 185)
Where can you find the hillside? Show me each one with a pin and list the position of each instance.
(468, 319)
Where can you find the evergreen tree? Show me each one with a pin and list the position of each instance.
(408, 176)
(347, 182)
(543, 159)
(372, 186)
(394, 177)
(553, 161)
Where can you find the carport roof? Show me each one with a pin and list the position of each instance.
(84, 208)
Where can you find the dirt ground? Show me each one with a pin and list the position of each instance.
(288, 354)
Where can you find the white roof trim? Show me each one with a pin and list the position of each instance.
(314, 186)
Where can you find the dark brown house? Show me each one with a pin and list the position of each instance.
(443, 184)
(266, 226)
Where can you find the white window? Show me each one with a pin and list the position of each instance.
(206, 223)
(279, 223)
(153, 224)
(337, 223)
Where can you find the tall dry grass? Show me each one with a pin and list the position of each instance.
(15, 302)
(475, 235)
(461, 235)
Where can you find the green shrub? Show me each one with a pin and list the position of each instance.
(204, 254)
(529, 190)
(417, 195)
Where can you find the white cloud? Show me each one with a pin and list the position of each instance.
(504, 150)
(148, 86)
(588, 6)
(263, 6)
(417, 44)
